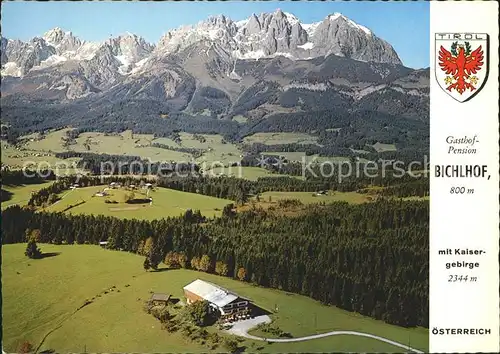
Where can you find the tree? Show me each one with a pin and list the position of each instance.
(242, 274)
(27, 234)
(155, 257)
(53, 198)
(175, 260)
(140, 247)
(37, 235)
(228, 211)
(148, 246)
(32, 251)
(128, 197)
(26, 347)
(231, 345)
(195, 263)
(171, 260)
(221, 268)
(146, 264)
(205, 264)
(182, 260)
(199, 313)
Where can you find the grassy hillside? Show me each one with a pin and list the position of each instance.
(312, 198)
(21, 194)
(166, 202)
(280, 138)
(250, 173)
(41, 298)
(127, 143)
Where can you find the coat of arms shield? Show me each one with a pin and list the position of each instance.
(461, 63)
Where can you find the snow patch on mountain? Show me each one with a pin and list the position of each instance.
(362, 28)
(139, 66)
(292, 20)
(241, 23)
(125, 61)
(306, 46)
(11, 69)
(53, 60)
(310, 28)
(256, 55)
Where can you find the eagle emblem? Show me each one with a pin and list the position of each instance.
(461, 68)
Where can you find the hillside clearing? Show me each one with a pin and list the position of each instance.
(166, 202)
(21, 194)
(250, 173)
(280, 138)
(313, 198)
(213, 146)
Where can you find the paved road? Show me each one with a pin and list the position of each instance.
(241, 328)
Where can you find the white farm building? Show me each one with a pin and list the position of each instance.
(230, 306)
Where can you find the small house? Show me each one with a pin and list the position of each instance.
(159, 299)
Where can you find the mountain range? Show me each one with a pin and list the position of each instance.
(269, 64)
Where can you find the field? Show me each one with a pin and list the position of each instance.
(250, 173)
(166, 202)
(21, 194)
(379, 147)
(240, 119)
(312, 198)
(17, 159)
(115, 322)
(298, 156)
(280, 138)
(215, 149)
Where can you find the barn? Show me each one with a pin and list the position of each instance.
(230, 306)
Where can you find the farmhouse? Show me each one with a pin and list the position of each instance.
(230, 306)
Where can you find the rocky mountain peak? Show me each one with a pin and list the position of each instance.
(266, 35)
(53, 36)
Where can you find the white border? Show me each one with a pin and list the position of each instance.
(464, 221)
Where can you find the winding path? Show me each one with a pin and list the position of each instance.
(241, 329)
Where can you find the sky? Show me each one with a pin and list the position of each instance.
(405, 25)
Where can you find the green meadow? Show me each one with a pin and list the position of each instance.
(116, 285)
(280, 138)
(21, 194)
(250, 173)
(166, 202)
(313, 198)
(213, 146)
